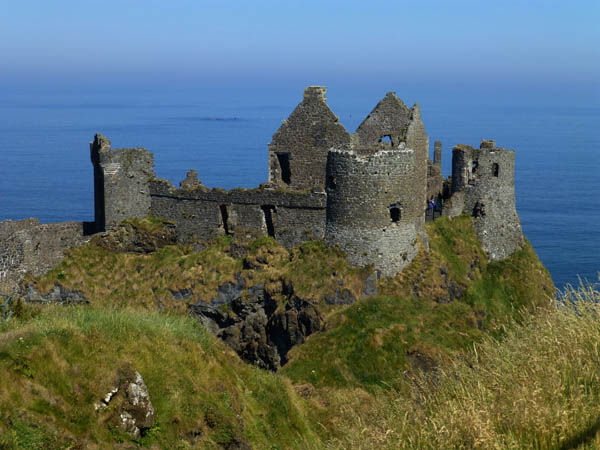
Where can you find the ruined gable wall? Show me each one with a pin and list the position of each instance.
(201, 214)
(485, 176)
(29, 246)
(390, 118)
(361, 193)
(121, 180)
(303, 140)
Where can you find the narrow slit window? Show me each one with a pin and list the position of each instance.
(268, 211)
(224, 218)
(284, 165)
(495, 169)
(395, 213)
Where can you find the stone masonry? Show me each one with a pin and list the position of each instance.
(121, 180)
(365, 192)
(483, 187)
(30, 246)
(371, 212)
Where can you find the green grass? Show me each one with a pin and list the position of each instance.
(539, 387)
(357, 384)
(374, 342)
(56, 365)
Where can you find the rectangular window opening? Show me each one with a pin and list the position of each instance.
(269, 211)
(284, 164)
(495, 169)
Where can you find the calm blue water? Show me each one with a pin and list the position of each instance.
(45, 170)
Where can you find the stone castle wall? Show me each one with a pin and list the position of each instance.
(391, 123)
(121, 180)
(291, 217)
(435, 179)
(371, 210)
(365, 192)
(298, 151)
(484, 178)
(30, 246)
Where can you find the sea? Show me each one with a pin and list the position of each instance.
(223, 132)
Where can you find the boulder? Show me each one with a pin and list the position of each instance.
(130, 410)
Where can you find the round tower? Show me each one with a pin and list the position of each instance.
(374, 210)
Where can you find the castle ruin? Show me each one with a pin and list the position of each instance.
(364, 192)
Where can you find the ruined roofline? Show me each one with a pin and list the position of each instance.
(319, 93)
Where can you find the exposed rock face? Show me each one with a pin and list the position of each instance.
(251, 322)
(131, 238)
(130, 407)
(58, 294)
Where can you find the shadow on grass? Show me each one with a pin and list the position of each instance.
(585, 436)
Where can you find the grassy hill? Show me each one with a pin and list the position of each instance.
(437, 359)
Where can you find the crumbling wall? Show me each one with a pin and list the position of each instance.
(298, 151)
(29, 246)
(435, 179)
(485, 177)
(372, 213)
(201, 213)
(121, 180)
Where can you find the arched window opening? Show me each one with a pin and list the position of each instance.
(387, 139)
(495, 169)
(474, 166)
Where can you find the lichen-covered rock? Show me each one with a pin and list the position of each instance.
(130, 407)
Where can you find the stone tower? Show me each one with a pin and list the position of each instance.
(391, 123)
(121, 180)
(298, 151)
(374, 211)
(483, 182)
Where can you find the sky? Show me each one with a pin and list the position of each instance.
(193, 42)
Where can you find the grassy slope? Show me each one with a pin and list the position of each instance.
(56, 365)
(374, 341)
(537, 388)
(369, 355)
(147, 280)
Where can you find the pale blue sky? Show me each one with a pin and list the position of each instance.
(185, 42)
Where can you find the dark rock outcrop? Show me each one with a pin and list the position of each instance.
(58, 294)
(260, 329)
(130, 237)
